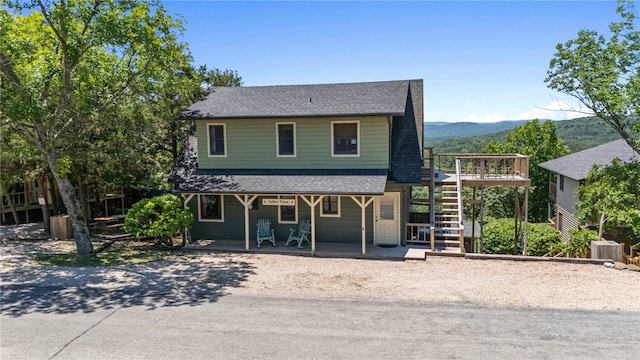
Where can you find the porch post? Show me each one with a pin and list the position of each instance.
(312, 202)
(363, 205)
(245, 202)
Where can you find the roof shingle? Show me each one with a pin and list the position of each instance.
(577, 165)
(365, 98)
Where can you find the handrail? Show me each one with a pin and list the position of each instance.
(460, 212)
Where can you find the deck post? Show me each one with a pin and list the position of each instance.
(525, 236)
(245, 202)
(312, 202)
(363, 205)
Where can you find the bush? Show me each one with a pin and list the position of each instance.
(542, 239)
(160, 217)
(498, 238)
(579, 243)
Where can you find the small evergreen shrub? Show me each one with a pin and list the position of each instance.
(160, 217)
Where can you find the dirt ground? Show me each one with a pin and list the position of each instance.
(438, 279)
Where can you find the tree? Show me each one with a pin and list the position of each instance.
(611, 196)
(604, 74)
(541, 143)
(70, 67)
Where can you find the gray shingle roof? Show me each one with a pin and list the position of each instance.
(263, 181)
(365, 98)
(577, 165)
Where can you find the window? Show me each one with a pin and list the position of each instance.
(345, 138)
(286, 139)
(210, 208)
(288, 214)
(330, 206)
(561, 182)
(217, 143)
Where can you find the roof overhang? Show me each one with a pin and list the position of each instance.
(282, 182)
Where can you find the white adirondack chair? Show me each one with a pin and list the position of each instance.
(303, 234)
(264, 232)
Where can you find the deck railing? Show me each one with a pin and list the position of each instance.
(485, 166)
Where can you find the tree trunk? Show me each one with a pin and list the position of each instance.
(603, 219)
(12, 206)
(74, 210)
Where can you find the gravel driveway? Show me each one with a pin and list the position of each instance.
(191, 278)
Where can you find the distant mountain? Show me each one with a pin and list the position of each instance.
(442, 130)
(577, 134)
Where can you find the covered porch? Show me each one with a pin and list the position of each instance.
(355, 207)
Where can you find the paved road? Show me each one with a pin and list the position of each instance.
(241, 327)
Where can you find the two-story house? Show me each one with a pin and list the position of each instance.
(567, 173)
(342, 156)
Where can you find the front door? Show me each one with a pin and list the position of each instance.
(387, 219)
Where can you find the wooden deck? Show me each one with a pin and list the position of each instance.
(478, 169)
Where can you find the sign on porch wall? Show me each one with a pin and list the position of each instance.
(279, 202)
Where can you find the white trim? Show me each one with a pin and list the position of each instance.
(200, 219)
(322, 214)
(357, 122)
(296, 210)
(224, 135)
(278, 123)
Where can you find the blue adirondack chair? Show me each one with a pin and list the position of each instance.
(303, 234)
(264, 232)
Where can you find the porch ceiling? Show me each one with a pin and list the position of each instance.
(311, 181)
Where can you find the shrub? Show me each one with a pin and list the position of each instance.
(160, 217)
(498, 238)
(579, 243)
(542, 239)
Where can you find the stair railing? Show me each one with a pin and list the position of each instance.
(460, 210)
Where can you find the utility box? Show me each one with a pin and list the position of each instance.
(61, 227)
(606, 249)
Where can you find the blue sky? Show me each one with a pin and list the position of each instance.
(481, 61)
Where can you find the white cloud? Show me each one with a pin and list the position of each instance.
(556, 110)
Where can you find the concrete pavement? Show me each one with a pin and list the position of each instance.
(242, 327)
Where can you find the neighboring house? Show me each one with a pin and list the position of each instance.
(343, 156)
(567, 173)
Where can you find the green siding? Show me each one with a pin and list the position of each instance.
(345, 229)
(251, 144)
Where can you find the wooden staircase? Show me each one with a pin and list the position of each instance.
(448, 227)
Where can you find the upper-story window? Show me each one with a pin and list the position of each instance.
(561, 182)
(286, 139)
(345, 138)
(217, 140)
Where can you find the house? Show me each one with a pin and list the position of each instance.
(567, 173)
(343, 156)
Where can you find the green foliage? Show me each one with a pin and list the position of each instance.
(611, 196)
(579, 243)
(542, 239)
(160, 217)
(498, 236)
(604, 73)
